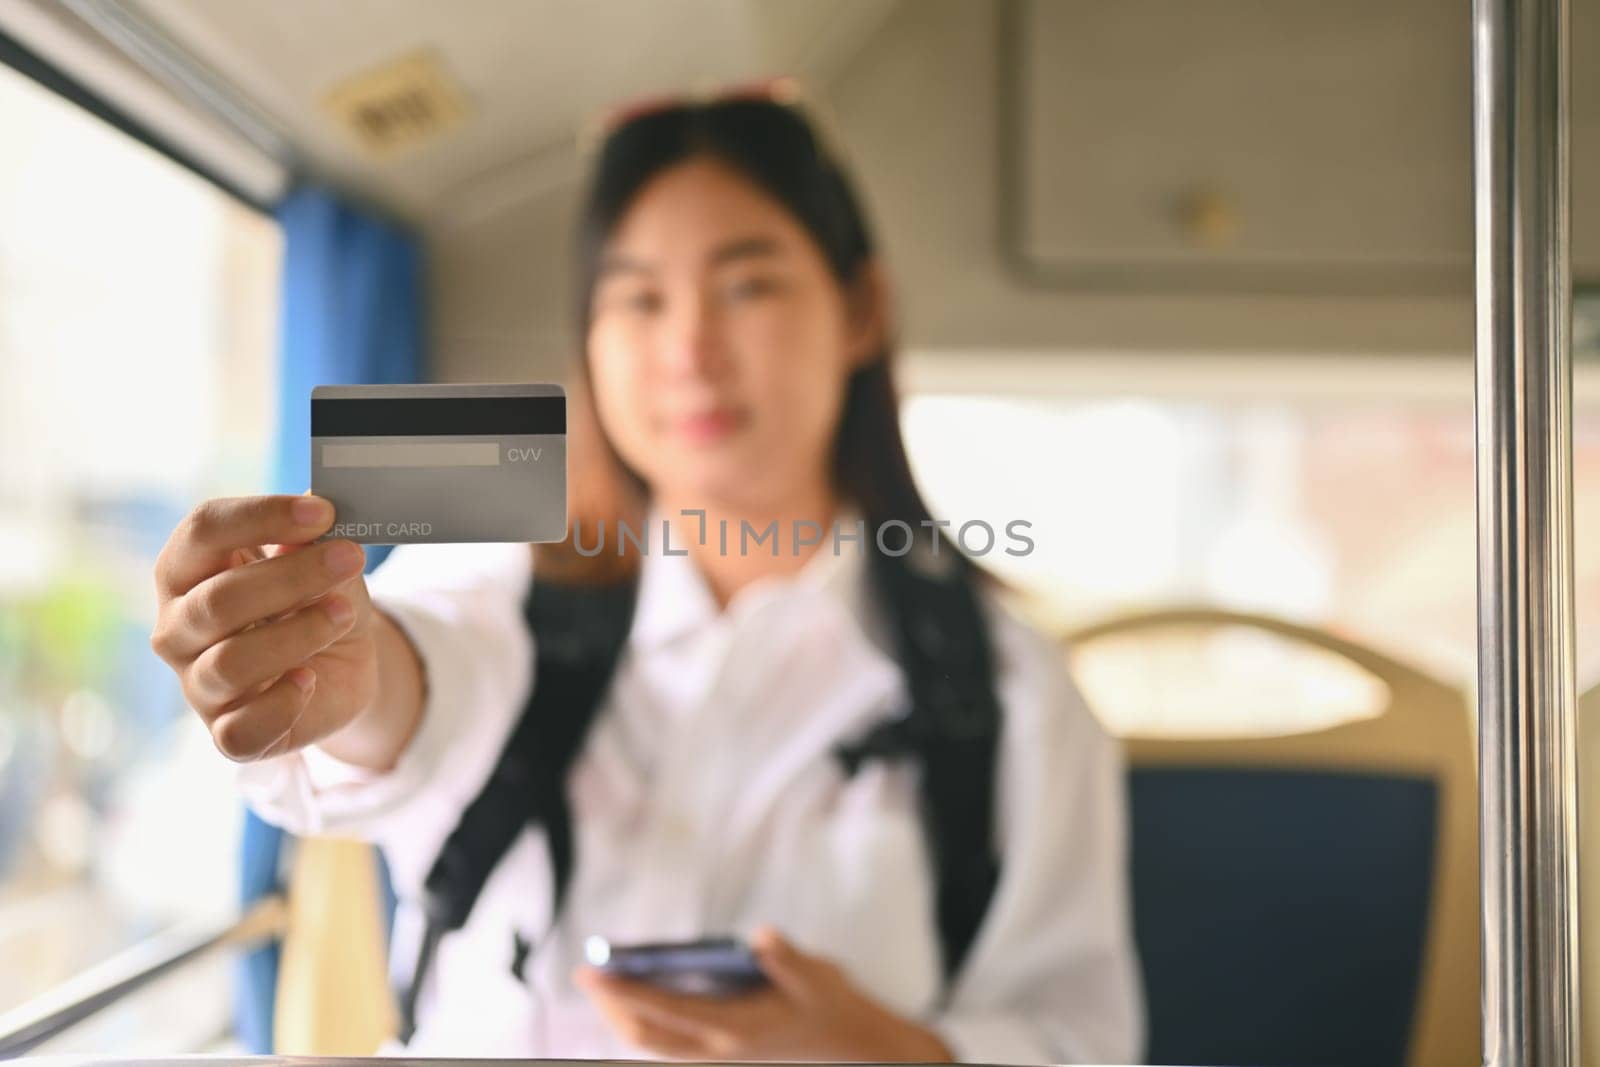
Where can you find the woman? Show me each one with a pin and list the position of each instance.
(737, 343)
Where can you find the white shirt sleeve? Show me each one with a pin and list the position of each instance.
(1052, 976)
(461, 607)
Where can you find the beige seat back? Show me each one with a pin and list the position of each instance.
(1424, 730)
(333, 995)
(1589, 875)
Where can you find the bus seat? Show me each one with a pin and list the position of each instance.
(1308, 898)
(1589, 877)
(333, 996)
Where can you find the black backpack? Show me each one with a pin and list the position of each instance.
(952, 729)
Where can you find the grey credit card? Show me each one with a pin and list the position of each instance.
(429, 464)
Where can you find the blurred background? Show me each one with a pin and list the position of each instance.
(1185, 285)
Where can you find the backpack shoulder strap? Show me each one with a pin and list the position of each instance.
(578, 633)
(952, 729)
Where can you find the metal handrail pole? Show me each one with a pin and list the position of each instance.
(52, 1014)
(1526, 691)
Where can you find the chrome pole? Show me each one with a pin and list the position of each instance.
(1526, 691)
(69, 1003)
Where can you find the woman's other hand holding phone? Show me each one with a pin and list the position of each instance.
(810, 1011)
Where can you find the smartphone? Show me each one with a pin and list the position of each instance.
(711, 967)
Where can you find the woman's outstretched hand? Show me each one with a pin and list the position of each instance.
(810, 1011)
(273, 636)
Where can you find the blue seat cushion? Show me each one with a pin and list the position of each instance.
(1281, 914)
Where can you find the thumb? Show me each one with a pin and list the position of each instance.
(797, 975)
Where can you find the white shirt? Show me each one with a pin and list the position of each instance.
(707, 801)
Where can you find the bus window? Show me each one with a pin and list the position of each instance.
(137, 311)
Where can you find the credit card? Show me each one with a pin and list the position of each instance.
(435, 464)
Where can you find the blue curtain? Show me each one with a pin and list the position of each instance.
(351, 313)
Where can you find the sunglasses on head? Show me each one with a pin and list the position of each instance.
(783, 91)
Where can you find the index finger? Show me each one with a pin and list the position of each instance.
(205, 542)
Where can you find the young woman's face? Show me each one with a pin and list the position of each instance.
(720, 343)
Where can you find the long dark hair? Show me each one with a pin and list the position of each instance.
(774, 146)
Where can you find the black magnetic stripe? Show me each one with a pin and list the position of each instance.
(494, 416)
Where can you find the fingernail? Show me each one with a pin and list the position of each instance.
(343, 558)
(311, 511)
(304, 680)
(340, 611)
